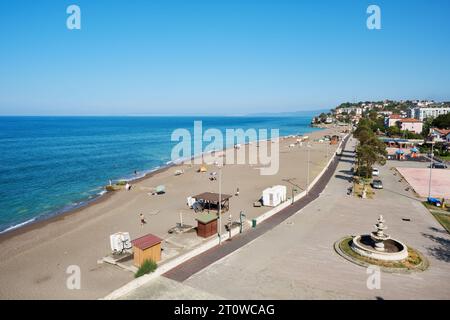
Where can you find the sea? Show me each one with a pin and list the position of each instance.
(50, 165)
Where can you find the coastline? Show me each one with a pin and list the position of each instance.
(81, 237)
(60, 214)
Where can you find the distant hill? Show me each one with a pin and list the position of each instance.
(305, 113)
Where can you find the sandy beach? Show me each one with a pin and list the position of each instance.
(34, 259)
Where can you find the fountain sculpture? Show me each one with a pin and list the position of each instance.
(379, 245)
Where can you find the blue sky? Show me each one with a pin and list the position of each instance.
(218, 56)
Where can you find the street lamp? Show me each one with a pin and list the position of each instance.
(241, 218)
(293, 192)
(229, 226)
(220, 206)
(308, 146)
(431, 169)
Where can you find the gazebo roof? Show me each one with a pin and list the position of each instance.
(212, 197)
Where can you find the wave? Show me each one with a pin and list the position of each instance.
(18, 225)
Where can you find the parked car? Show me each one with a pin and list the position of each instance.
(375, 172)
(377, 184)
(434, 201)
(438, 165)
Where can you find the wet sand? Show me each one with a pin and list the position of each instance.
(34, 259)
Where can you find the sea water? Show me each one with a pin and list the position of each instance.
(50, 165)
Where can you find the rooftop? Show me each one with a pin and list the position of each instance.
(146, 241)
(443, 132)
(206, 217)
(410, 120)
(212, 197)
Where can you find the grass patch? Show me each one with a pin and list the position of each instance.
(444, 220)
(433, 208)
(358, 190)
(442, 215)
(413, 262)
(147, 267)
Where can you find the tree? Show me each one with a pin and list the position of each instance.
(393, 131)
(371, 152)
(427, 124)
(370, 149)
(442, 122)
(373, 115)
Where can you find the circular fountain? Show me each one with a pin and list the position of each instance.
(379, 245)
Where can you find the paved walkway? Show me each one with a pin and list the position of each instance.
(198, 263)
(296, 259)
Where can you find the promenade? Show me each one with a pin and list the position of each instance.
(296, 259)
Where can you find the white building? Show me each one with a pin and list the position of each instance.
(427, 112)
(358, 111)
(271, 197)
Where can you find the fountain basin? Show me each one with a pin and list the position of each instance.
(394, 250)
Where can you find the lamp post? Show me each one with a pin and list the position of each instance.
(431, 169)
(293, 192)
(308, 146)
(241, 217)
(220, 205)
(229, 226)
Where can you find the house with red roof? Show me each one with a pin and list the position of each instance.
(439, 135)
(411, 124)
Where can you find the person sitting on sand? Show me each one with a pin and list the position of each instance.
(141, 216)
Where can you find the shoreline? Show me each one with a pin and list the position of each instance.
(40, 223)
(81, 237)
(61, 214)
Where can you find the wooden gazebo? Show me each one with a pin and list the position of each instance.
(211, 201)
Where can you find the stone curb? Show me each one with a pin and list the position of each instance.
(420, 268)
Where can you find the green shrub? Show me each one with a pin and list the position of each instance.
(147, 266)
(363, 172)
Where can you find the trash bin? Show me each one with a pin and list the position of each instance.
(253, 223)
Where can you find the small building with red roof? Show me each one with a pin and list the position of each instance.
(147, 247)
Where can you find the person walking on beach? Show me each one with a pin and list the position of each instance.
(141, 216)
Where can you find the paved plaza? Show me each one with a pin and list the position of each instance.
(296, 259)
(419, 179)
